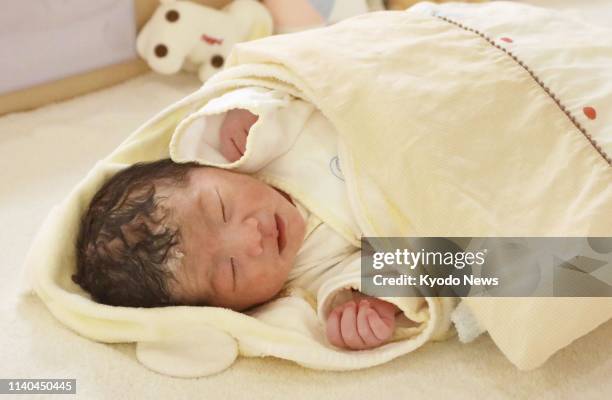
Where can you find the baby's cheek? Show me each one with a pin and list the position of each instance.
(258, 292)
(274, 278)
(224, 279)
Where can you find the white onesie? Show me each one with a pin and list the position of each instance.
(292, 147)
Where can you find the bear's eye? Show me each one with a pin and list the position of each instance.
(172, 16)
(217, 61)
(161, 50)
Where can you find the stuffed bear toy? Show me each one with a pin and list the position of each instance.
(404, 4)
(193, 37)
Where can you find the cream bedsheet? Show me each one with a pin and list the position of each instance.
(34, 344)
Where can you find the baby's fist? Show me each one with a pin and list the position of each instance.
(361, 324)
(234, 131)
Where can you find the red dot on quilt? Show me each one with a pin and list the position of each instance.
(590, 112)
(506, 39)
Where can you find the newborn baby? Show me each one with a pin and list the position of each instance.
(164, 233)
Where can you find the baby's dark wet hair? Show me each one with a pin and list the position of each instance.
(127, 240)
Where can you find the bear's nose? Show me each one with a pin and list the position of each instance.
(161, 50)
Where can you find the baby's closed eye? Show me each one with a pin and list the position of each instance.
(233, 267)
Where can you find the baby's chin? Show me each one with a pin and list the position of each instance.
(242, 305)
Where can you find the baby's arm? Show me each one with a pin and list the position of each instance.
(361, 323)
(244, 129)
(404, 317)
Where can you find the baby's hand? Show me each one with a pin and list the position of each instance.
(361, 324)
(234, 131)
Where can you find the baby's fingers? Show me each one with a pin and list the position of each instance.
(229, 149)
(381, 330)
(239, 137)
(348, 327)
(363, 326)
(333, 329)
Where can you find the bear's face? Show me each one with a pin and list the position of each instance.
(176, 29)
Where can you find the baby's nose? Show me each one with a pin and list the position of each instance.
(251, 237)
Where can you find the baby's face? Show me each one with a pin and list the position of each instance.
(240, 238)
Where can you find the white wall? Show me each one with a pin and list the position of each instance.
(46, 40)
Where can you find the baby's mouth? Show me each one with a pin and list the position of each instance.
(286, 196)
(281, 238)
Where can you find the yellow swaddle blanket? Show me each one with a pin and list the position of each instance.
(454, 120)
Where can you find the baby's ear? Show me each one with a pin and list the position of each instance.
(189, 353)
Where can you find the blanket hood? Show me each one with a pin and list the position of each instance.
(480, 143)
